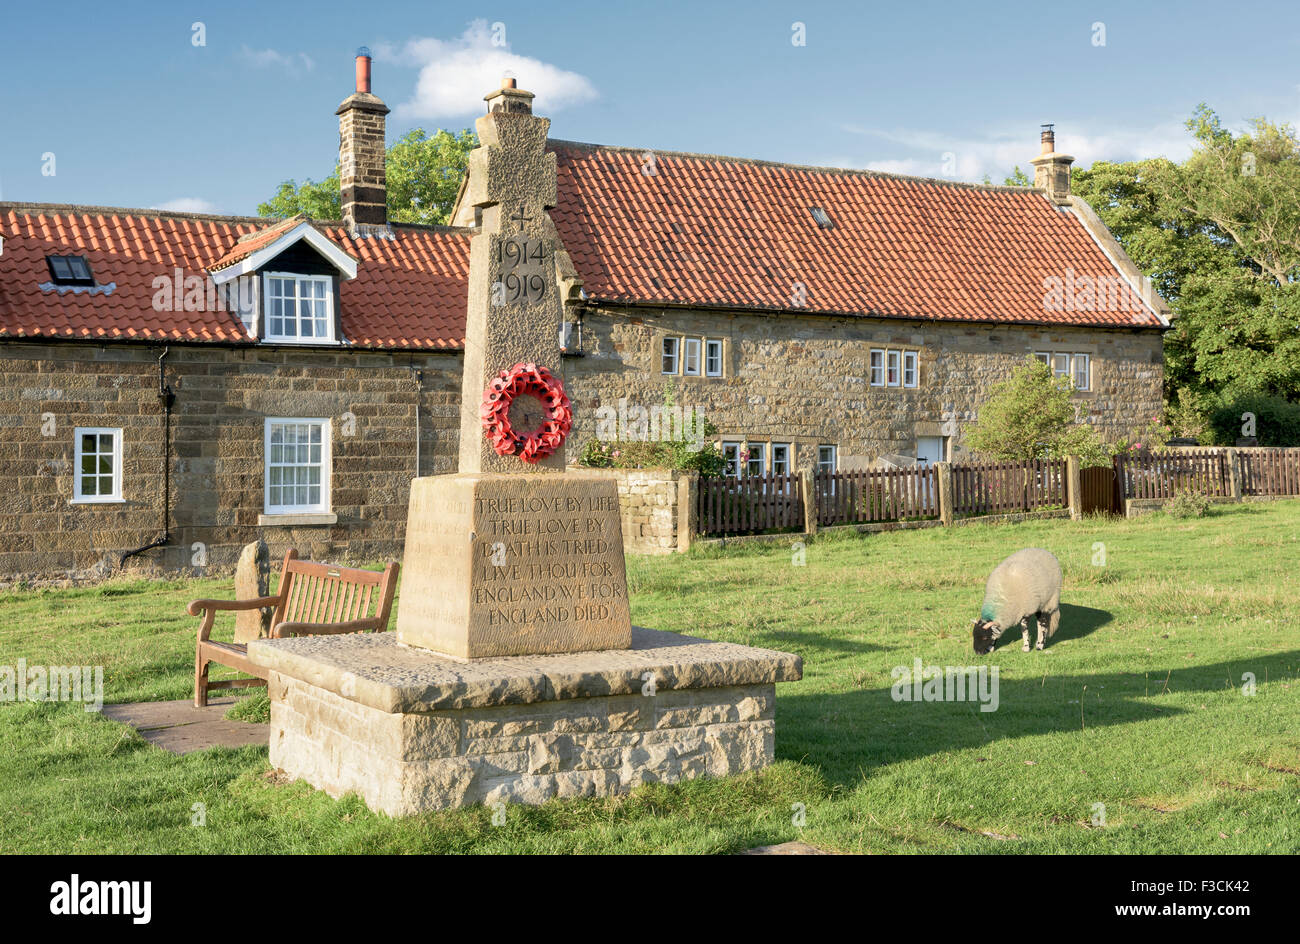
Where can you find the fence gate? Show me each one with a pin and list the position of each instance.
(1099, 491)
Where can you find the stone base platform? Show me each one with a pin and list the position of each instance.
(410, 730)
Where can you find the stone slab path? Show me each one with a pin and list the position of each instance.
(787, 848)
(179, 727)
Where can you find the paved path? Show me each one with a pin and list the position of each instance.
(179, 727)
(787, 848)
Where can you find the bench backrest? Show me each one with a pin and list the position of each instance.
(312, 592)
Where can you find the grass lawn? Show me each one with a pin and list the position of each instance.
(1137, 704)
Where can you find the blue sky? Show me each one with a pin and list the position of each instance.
(137, 115)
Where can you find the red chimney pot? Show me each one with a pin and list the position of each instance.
(363, 73)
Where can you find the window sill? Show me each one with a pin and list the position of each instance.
(297, 519)
(301, 342)
(96, 501)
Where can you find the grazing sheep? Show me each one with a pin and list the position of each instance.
(1025, 586)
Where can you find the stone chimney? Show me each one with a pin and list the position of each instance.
(1052, 170)
(362, 178)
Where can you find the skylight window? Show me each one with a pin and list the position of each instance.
(70, 270)
(822, 218)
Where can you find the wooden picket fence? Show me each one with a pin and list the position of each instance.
(1164, 474)
(876, 495)
(1266, 471)
(756, 503)
(999, 488)
(749, 504)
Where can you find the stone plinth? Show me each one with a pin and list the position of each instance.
(501, 565)
(409, 730)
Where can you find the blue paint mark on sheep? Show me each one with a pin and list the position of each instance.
(1024, 587)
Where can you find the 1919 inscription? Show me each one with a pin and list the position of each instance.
(521, 262)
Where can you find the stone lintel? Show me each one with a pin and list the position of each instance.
(373, 669)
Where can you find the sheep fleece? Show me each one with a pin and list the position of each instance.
(1026, 583)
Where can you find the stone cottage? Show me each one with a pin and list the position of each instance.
(174, 385)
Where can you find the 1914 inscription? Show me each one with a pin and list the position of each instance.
(521, 261)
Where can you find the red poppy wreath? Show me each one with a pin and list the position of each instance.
(528, 381)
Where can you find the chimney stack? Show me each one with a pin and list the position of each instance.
(1052, 170)
(509, 99)
(362, 176)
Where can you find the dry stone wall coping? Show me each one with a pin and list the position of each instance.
(373, 669)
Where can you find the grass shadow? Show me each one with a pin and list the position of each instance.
(849, 734)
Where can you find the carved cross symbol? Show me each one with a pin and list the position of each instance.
(520, 218)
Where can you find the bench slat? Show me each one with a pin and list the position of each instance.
(312, 594)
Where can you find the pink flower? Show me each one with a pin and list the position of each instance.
(617, 453)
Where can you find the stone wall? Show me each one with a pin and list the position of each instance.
(797, 379)
(655, 506)
(804, 379)
(223, 396)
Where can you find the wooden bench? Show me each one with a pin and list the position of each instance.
(313, 599)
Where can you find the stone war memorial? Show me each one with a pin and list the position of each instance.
(515, 674)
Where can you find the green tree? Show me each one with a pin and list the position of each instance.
(1033, 415)
(423, 176)
(1219, 235)
(320, 200)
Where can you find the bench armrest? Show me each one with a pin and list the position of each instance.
(197, 606)
(283, 630)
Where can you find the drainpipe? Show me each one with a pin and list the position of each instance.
(418, 376)
(167, 398)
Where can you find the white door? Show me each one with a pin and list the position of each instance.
(929, 450)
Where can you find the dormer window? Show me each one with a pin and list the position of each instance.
(299, 308)
(69, 270)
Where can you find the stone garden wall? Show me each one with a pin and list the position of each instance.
(655, 506)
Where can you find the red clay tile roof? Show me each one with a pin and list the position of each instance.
(258, 239)
(409, 291)
(702, 231)
(716, 231)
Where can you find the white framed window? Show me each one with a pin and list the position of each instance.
(98, 465)
(781, 458)
(910, 373)
(671, 351)
(827, 458)
(299, 308)
(1076, 367)
(691, 357)
(731, 456)
(877, 367)
(298, 465)
(713, 357)
(1082, 379)
(757, 462)
(891, 368)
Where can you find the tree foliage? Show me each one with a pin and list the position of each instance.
(1219, 235)
(423, 175)
(1033, 415)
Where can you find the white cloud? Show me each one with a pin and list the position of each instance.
(186, 205)
(455, 74)
(295, 63)
(930, 154)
